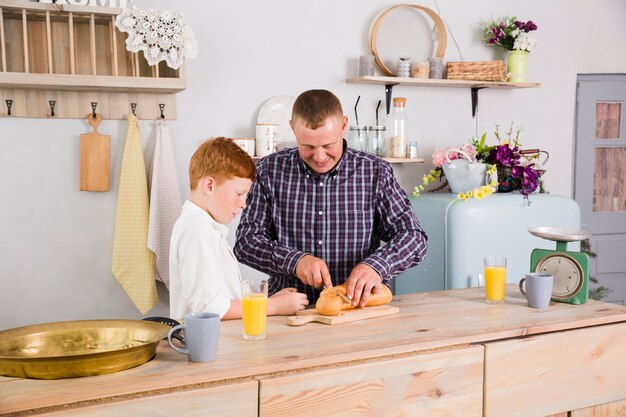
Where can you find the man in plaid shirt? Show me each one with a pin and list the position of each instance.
(317, 213)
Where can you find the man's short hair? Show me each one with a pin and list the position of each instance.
(315, 106)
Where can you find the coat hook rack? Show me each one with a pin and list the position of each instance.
(94, 104)
(133, 107)
(9, 104)
(52, 103)
(162, 108)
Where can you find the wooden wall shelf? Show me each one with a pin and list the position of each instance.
(102, 83)
(75, 55)
(438, 83)
(390, 160)
(404, 160)
(475, 86)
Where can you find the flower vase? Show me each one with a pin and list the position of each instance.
(516, 66)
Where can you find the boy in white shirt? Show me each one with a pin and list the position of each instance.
(204, 274)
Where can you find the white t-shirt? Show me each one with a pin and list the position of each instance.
(204, 274)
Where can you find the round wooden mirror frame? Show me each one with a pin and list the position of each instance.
(441, 30)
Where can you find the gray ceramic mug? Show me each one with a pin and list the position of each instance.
(202, 335)
(538, 289)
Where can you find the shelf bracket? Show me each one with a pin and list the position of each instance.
(475, 100)
(388, 91)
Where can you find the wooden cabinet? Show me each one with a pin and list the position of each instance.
(74, 55)
(446, 353)
(554, 373)
(443, 383)
(236, 400)
(614, 409)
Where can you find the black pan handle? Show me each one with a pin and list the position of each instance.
(170, 322)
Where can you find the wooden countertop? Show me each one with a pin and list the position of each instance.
(435, 320)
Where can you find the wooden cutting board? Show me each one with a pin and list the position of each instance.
(94, 158)
(311, 315)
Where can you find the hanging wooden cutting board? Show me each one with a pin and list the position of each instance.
(94, 158)
(311, 315)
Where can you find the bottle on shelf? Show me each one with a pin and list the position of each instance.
(397, 129)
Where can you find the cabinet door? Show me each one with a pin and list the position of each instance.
(617, 408)
(236, 400)
(553, 373)
(442, 383)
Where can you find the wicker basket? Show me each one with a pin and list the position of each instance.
(477, 71)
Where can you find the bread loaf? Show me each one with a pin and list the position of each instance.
(331, 304)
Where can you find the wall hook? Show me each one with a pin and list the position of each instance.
(133, 107)
(9, 104)
(94, 104)
(52, 103)
(162, 107)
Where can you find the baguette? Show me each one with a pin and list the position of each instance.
(331, 304)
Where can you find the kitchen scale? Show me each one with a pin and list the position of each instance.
(570, 269)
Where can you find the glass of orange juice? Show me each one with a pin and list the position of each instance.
(254, 308)
(495, 279)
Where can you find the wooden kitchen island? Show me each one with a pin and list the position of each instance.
(446, 353)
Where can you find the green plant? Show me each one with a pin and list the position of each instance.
(597, 293)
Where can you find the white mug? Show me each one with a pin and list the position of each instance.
(266, 138)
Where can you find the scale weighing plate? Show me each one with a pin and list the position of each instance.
(560, 234)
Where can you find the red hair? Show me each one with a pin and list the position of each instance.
(222, 159)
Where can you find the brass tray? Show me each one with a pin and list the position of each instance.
(73, 349)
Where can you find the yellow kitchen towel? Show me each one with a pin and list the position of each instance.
(133, 263)
(165, 201)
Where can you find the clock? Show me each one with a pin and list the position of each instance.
(570, 269)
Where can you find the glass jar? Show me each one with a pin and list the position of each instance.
(397, 129)
(357, 138)
(376, 141)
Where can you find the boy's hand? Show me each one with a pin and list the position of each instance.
(286, 302)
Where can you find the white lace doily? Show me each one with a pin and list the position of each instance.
(162, 35)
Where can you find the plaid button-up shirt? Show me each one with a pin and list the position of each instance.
(340, 216)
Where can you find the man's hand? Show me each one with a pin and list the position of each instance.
(313, 271)
(363, 280)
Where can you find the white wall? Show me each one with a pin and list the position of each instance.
(55, 241)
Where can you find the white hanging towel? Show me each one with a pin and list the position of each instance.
(165, 200)
(133, 262)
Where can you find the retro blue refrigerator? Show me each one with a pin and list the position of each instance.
(461, 233)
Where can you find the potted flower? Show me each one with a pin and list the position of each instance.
(516, 169)
(445, 159)
(513, 36)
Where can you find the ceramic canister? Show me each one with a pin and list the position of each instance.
(266, 135)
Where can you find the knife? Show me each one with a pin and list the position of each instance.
(343, 297)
